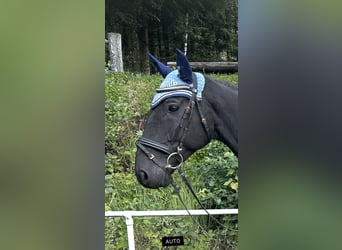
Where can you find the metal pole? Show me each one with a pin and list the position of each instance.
(130, 232)
(170, 212)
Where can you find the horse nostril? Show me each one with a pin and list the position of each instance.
(143, 175)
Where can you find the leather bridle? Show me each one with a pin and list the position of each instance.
(143, 142)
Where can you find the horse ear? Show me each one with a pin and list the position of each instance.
(162, 68)
(184, 68)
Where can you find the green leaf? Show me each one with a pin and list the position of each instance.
(234, 185)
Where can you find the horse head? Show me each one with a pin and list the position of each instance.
(175, 127)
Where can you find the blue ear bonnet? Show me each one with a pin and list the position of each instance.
(172, 80)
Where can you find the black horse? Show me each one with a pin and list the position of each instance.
(187, 112)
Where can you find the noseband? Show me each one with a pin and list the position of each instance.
(143, 142)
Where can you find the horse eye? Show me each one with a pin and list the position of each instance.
(173, 107)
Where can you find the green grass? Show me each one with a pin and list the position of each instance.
(212, 171)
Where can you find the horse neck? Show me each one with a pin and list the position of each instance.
(223, 111)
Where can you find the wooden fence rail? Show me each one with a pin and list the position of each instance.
(211, 67)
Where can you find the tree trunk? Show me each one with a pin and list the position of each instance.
(115, 51)
(146, 49)
(186, 33)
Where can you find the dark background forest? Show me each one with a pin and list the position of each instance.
(209, 27)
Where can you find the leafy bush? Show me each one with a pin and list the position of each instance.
(212, 171)
(126, 107)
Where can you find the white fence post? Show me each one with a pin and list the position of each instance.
(130, 232)
(115, 51)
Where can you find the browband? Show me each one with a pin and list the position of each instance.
(178, 87)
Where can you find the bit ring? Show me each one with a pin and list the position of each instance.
(168, 165)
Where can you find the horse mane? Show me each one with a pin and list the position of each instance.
(221, 82)
(222, 97)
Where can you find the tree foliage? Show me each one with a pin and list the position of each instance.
(160, 26)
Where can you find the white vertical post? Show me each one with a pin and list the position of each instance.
(130, 232)
(115, 51)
